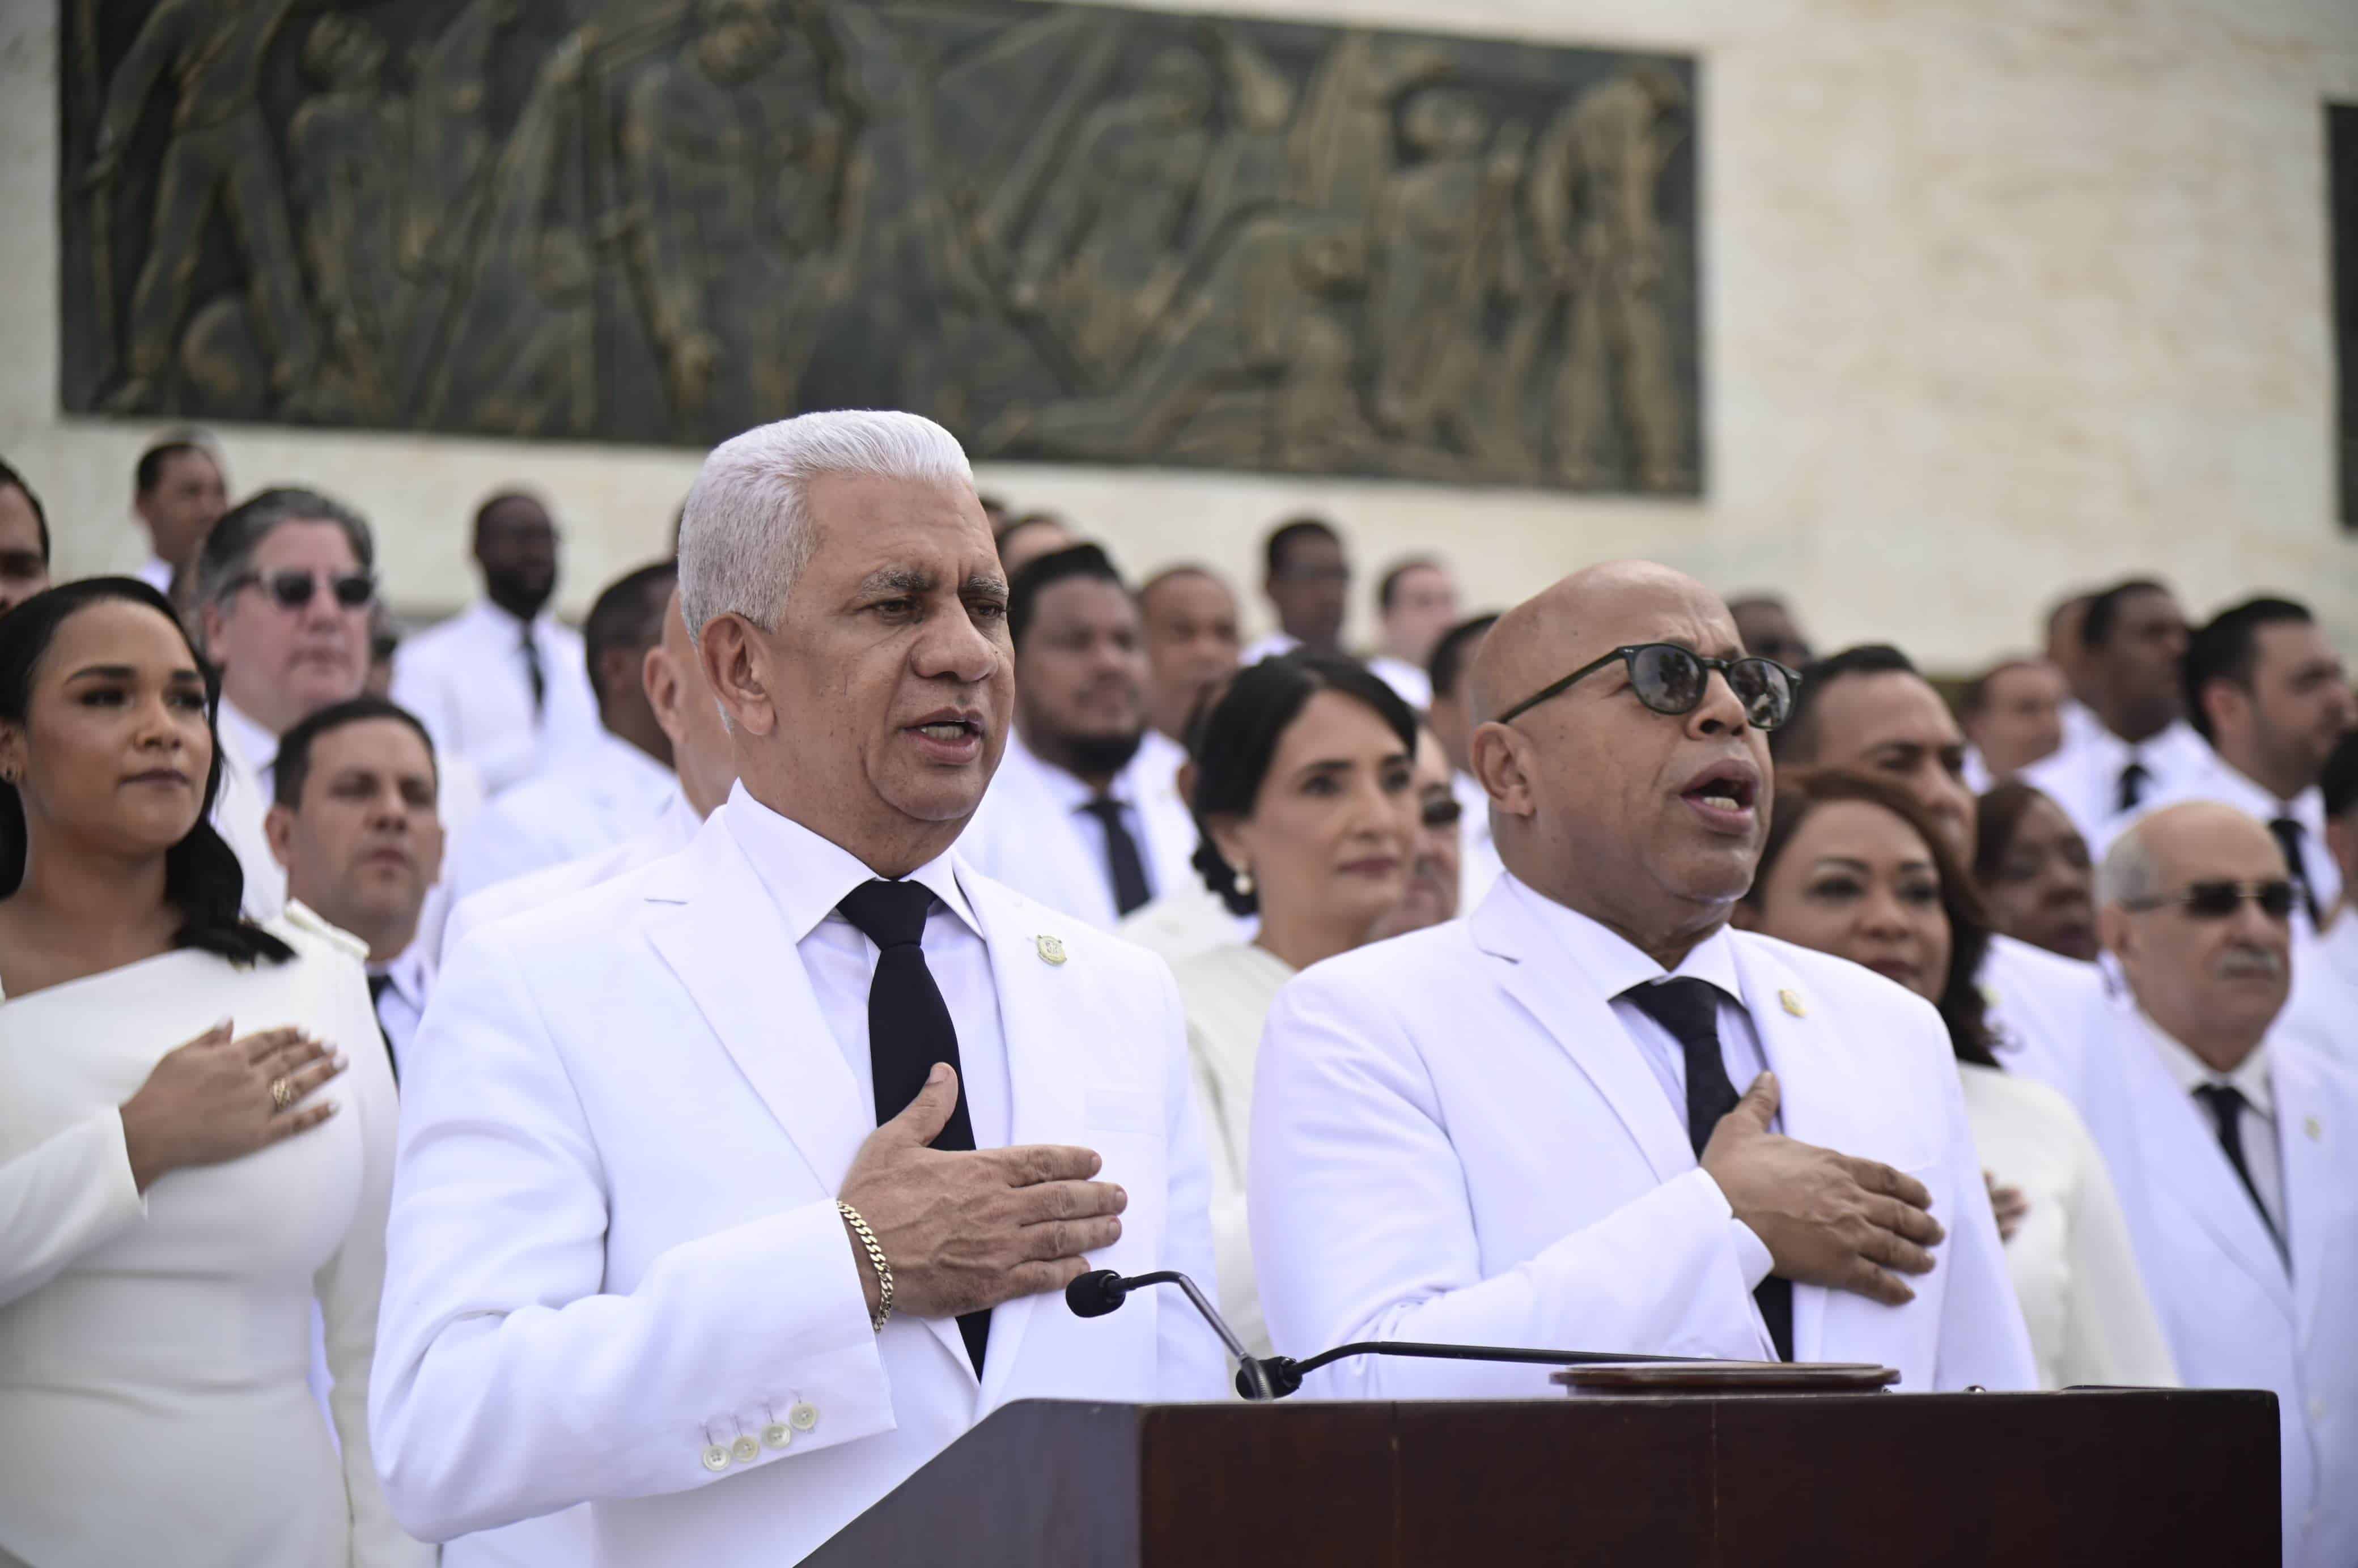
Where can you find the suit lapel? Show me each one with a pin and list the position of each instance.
(715, 924)
(1048, 1102)
(2306, 1136)
(1817, 1095)
(1562, 1001)
(2182, 1153)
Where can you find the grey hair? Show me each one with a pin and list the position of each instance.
(745, 532)
(227, 553)
(2127, 875)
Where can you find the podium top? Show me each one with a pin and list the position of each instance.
(1726, 1378)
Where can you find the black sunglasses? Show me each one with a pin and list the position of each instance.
(293, 588)
(2219, 900)
(1670, 679)
(1443, 812)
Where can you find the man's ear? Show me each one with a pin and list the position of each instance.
(618, 671)
(660, 680)
(210, 624)
(2114, 930)
(278, 828)
(732, 667)
(2226, 704)
(1502, 764)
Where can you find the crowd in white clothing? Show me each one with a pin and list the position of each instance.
(2069, 956)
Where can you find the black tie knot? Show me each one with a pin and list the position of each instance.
(1688, 1007)
(378, 983)
(2225, 1102)
(891, 915)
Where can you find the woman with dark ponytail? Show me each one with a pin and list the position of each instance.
(168, 1212)
(1305, 797)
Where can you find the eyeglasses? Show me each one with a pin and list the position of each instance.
(1443, 812)
(1671, 680)
(293, 588)
(2219, 900)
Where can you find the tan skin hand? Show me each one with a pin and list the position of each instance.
(1826, 1219)
(209, 1100)
(965, 1230)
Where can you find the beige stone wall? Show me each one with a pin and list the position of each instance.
(1999, 295)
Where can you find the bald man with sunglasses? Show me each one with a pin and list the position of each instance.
(1592, 1116)
(2247, 1145)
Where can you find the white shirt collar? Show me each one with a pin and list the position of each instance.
(488, 614)
(807, 876)
(254, 746)
(2230, 784)
(1068, 790)
(2191, 1072)
(412, 973)
(1613, 964)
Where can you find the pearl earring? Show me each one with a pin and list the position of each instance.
(1245, 883)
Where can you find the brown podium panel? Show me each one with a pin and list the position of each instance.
(2025, 1480)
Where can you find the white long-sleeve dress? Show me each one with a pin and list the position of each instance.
(154, 1405)
(2075, 1271)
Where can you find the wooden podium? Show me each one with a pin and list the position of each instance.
(2022, 1480)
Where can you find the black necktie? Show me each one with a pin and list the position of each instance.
(2133, 779)
(1129, 872)
(378, 986)
(2226, 1103)
(2289, 833)
(909, 1028)
(534, 674)
(1689, 1009)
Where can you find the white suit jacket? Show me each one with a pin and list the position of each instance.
(466, 678)
(671, 833)
(1031, 834)
(606, 793)
(614, 1252)
(1455, 1139)
(2234, 1319)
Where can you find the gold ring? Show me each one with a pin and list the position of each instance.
(282, 1094)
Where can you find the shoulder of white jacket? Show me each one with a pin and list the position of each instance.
(574, 928)
(2311, 1074)
(305, 929)
(1007, 910)
(1414, 964)
(2045, 968)
(2026, 1098)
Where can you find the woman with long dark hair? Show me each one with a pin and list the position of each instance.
(1853, 867)
(169, 1211)
(1305, 794)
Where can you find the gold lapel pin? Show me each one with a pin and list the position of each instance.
(2314, 1127)
(1793, 1001)
(1052, 949)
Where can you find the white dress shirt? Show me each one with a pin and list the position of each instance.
(806, 877)
(1477, 853)
(606, 793)
(410, 980)
(249, 778)
(467, 679)
(1034, 833)
(2257, 1121)
(2084, 775)
(1614, 967)
(156, 573)
(1413, 685)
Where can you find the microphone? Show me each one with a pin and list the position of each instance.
(1100, 1290)
(1283, 1374)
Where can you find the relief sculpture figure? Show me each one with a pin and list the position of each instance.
(1593, 192)
(348, 196)
(219, 154)
(1445, 230)
(735, 160)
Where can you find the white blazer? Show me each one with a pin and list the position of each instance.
(616, 1273)
(1453, 1139)
(2234, 1319)
(1029, 834)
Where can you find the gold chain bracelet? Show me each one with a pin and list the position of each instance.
(876, 1259)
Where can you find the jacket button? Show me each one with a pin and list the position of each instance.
(803, 1417)
(777, 1434)
(745, 1450)
(716, 1458)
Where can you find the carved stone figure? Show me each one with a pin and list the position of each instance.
(349, 197)
(219, 155)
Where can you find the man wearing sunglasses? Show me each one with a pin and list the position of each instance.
(2247, 1148)
(285, 585)
(1591, 1115)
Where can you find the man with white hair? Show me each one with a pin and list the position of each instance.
(2247, 1146)
(733, 1190)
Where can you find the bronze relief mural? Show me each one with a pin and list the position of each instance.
(1066, 231)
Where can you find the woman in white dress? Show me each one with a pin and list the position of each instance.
(168, 1211)
(1305, 796)
(1853, 868)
